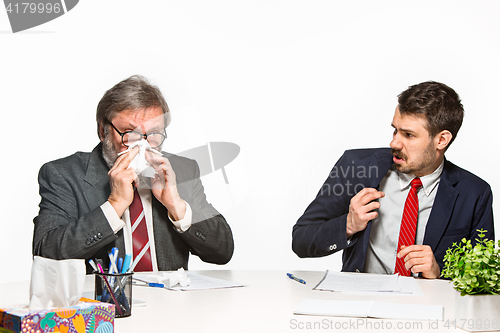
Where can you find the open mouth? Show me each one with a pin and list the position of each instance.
(398, 157)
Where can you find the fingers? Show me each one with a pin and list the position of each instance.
(368, 194)
(362, 209)
(364, 201)
(123, 161)
(404, 250)
(121, 180)
(164, 186)
(163, 167)
(420, 259)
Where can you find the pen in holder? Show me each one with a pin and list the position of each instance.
(115, 289)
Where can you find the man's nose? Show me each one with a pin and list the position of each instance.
(396, 143)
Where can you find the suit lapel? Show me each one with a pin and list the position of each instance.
(382, 163)
(98, 189)
(442, 208)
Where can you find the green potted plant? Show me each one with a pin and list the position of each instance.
(475, 274)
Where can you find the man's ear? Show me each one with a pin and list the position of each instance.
(100, 131)
(443, 139)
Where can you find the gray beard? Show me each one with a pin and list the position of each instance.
(109, 152)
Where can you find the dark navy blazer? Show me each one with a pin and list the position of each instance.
(462, 205)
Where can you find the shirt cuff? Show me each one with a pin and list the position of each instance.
(113, 219)
(183, 224)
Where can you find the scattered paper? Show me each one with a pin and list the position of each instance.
(373, 309)
(169, 279)
(200, 282)
(363, 282)
(197, 281)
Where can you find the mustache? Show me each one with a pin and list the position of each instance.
(398, 154)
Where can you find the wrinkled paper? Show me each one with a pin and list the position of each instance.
(139, 163)
(171, 279)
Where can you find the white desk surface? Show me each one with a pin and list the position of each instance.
(265, 304)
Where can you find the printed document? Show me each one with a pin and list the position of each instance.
(364, 282)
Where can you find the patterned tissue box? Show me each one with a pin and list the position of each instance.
(88, 316)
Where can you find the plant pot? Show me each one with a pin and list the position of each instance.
(477, 312)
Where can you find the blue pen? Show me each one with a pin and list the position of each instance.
(291, 276)
(150, 284)
(126, 263)
(113, 251)
(115, 255)
(115, 261)
(120, 264)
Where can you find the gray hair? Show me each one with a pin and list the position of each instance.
(132, 93)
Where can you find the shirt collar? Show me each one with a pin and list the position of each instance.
(429, 182)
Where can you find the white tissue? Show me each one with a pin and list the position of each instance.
(140, 165)
(56, 283)
(170, 279)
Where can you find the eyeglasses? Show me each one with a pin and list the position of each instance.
(155, 139)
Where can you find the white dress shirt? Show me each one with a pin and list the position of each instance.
(124, 223)
(384, 234)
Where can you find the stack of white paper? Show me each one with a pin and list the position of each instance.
(372, 309)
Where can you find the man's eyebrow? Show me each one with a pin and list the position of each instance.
(404, 129)
(133, 127)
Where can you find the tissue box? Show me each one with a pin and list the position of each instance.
(85, 317)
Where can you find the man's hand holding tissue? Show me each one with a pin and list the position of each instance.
(164, 186)
(121, 180)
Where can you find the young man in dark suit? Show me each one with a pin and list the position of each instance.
(365, 206)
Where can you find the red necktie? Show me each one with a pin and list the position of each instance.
(140, 237)
(408, 225)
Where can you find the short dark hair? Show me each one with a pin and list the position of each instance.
(439, 103)
(134, 92)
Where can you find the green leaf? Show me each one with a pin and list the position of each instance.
(474, 269)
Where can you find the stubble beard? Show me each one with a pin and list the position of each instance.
(426, 160)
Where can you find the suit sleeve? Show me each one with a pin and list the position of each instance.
(483, 217)
(321, 230)
(472, 212)
(62, 230)
(209, 236)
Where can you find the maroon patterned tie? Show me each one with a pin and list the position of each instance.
(408, 225)
(140, 237)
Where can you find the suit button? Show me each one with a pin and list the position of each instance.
(333, 247)
(99, 235)
(87, 242)
(96, 238)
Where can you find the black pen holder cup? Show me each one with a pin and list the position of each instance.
(115, 289)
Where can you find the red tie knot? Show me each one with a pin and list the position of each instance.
(416, 183)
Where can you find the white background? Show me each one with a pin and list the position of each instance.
(293, 83)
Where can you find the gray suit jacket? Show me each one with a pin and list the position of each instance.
(71, 224)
